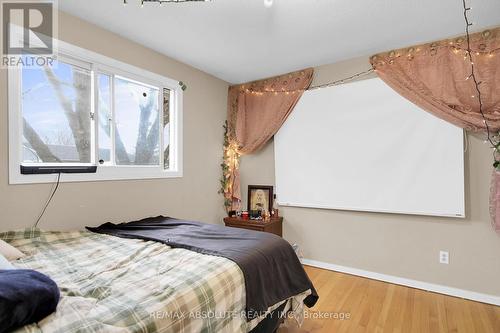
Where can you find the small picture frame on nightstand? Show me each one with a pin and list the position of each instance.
(260, 198)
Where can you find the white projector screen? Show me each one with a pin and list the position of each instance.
(361, 146)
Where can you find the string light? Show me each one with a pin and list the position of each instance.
(455, 47)
(229, 166)
(294, 91)
(468, 24)
(493, 140)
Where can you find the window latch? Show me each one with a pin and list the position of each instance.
(92, 115)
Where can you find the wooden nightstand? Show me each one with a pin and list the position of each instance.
(274, 226)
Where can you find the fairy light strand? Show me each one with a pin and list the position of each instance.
(230, 165)
(468, 55)
(320, 86)
(341, 81)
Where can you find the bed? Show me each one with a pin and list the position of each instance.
(111, 284)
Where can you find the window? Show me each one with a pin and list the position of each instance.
(55, 110)
(92, 110)
(137, 123)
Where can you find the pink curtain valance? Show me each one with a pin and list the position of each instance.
(256, 111)
(435, 76)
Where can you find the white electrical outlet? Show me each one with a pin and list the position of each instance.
(444, 257)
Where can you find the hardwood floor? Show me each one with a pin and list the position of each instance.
(375, 306)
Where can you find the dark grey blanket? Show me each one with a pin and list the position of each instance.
(269, 264)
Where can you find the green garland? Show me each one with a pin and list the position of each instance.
(229, 163)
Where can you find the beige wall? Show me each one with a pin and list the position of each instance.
(405, 246)
(399, 245)
(78, 204)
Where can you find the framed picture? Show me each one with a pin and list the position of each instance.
(260, 198)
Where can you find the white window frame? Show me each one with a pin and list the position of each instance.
(105, 65)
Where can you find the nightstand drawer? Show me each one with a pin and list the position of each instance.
(273, 226)
(248, 227)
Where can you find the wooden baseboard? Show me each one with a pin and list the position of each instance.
(466, 294)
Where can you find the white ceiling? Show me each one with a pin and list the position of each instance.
(241, 40)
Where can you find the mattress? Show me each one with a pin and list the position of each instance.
(111, 284)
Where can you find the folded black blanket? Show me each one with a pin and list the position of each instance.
(269, 264)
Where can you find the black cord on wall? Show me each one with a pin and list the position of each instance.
(53, 192)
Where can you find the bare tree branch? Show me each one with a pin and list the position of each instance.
(121, 153)
(166, 121)
(143, 152)
(78, 114)
(81, 83)
(37, 144)
(152, 138)
(79, 119)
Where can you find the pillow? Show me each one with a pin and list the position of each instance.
(10, 252)
(26, 297)
(4, 263)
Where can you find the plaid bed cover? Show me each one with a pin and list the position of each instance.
(111, 284)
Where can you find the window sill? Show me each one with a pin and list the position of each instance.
(107, 173)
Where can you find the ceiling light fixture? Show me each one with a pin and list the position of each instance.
(268, 3)
(142, 2)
